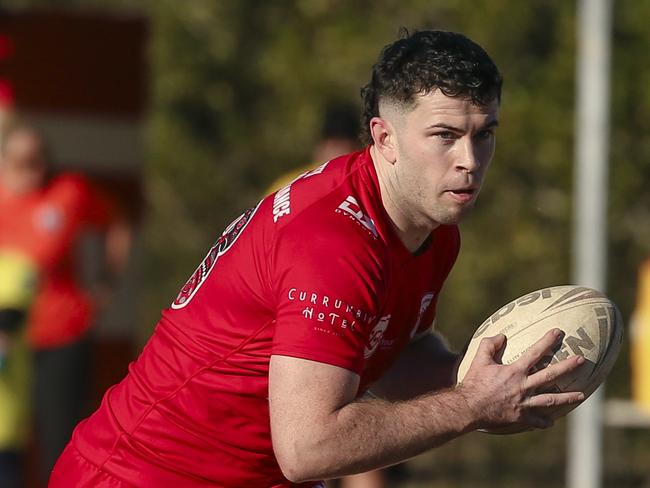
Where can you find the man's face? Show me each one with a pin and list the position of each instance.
(22, 164)
(444, 146)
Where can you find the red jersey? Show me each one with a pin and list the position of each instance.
(45, 225)
(314, 271)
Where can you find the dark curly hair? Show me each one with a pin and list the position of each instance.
(424, 61)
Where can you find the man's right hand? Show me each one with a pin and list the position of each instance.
(501, 395)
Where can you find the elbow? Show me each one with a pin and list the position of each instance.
(295, 466)
(292, 473)
(291, 466)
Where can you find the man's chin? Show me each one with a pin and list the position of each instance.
(453, 216)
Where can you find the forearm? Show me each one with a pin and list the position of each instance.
(319, 431)
(373, 433)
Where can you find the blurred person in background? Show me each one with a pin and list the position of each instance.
(339, 135)
(18, 277)
(44, 216)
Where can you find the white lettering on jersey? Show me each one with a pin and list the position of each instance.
(323, 308)
(281, 203)
(376, 336)
(352, 208)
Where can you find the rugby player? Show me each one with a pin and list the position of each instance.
(301, 349)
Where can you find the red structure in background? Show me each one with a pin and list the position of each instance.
(78, 65)
(59, 62)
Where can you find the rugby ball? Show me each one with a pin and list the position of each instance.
(592, 327)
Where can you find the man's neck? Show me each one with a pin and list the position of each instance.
(411, 232)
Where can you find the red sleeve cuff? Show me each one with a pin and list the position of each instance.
(351, 364)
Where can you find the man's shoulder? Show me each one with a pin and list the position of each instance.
(307, 187)
(324, 200)
(339, 217)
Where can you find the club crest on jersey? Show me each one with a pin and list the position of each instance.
(376, 336)
(225, 242)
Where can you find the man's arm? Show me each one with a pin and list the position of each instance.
(117, 243)
(119, 240)
(425, 365)
(320, 431)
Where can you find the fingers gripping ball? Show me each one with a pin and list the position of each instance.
(592, 328)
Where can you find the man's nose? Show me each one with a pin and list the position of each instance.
(467, 160)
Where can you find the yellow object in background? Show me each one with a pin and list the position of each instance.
(640, 341)
(18, 278)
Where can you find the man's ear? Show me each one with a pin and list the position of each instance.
(383, 135)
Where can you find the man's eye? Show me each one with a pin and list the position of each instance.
(447, 135)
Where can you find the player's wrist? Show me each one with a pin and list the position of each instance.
(468, 409)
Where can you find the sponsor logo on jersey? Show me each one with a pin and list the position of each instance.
(427, 298)
(225, 242)
(281, 203)
(376, 336)
(351, 207)
(329, 310)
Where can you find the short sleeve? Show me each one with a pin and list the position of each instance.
(330, 288)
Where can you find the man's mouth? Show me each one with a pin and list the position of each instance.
(462, 194)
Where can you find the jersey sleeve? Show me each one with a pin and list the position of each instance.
(329, 288)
